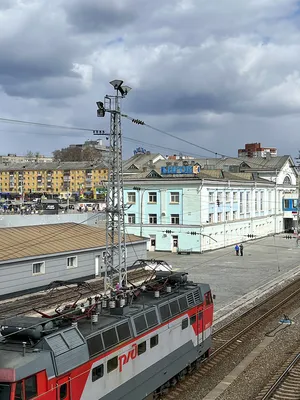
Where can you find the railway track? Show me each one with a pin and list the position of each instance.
(287, 384)
(52, 298)
(228, 339)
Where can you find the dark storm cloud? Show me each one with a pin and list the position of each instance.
(37, 56)
(195, 66)
(90, 16)
(47, 88)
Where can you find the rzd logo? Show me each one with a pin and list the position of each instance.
(130, 355)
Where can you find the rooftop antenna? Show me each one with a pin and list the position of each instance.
(115, 256)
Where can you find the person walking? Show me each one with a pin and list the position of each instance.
(241, 249)
(237, 249)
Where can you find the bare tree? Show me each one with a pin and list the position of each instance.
(88, 153)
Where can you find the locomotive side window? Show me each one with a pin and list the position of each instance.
(97, 372)
(184, 323)
(193, 319)
(208, 298)
(165, 312)
(112, 364)
(63, 391)
(30, 387)
(183, 303)
(154, 341)
(142, 347)
(5, 391)
(19, 391)
(110, 337)
(174, 307)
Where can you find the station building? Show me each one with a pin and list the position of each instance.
(204, 204)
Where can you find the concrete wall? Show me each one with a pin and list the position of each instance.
(18, 277)
(88, 218)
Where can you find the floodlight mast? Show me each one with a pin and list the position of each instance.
(115, 258)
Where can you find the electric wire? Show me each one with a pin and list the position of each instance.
(46, 125)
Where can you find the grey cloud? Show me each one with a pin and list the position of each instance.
(90, 16)
(47, 88)
(36, 51)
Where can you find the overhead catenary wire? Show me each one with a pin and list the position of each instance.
(47, 125)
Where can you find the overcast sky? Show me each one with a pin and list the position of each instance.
(219, 73)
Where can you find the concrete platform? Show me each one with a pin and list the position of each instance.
(266, 263)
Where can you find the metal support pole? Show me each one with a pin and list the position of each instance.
(116, 264)
(115, 222)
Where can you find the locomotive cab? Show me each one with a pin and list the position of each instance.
(24, 389)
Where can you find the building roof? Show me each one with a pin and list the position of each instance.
(71, 165)
(140, 160)
(39, 240)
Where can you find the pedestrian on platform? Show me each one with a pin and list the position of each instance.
(241, 249)
(237, 249)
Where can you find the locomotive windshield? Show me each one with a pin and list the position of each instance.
(4, 391)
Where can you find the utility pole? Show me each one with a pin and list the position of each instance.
(115, 221)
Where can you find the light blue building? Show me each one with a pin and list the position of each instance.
(181, 207)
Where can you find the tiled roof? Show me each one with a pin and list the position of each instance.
(38, 240)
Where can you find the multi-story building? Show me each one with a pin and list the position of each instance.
(13, 158)
(181, 205)
(255, 150)
(81, 178)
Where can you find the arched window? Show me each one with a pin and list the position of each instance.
(287, 180)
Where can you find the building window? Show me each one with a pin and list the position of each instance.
(152, 197)
(131, 218)
(97, 372)
(234, 215)
(211, 197)
(131, 197)
(256, 201)
(247, 202)
(227, 215)
(175, 219)
(219, 196)
(227, 197)
(152, 218)
(235, 197)
(154, 341)
(219, 217)
(174, 197)
(295, 203)
(142, 347)
(261, 201)
(211, 218)
(241, 202)
(72, 262)
(38, 268)
(112, 364)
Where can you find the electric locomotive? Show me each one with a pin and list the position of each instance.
(130, 345)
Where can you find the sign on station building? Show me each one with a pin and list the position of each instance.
(180, 170)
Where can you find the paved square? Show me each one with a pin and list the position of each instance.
(231, 276)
